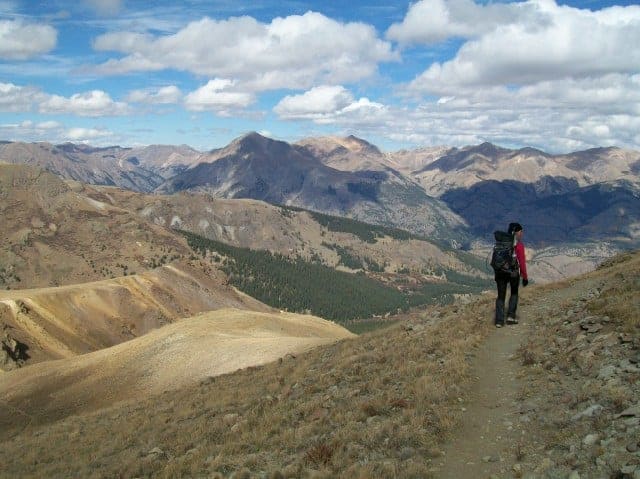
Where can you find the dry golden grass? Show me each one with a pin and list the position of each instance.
(67, 321)
(378, 405)
(373, 406)
(172, 357)
(621, 300)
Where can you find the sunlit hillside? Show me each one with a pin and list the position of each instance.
(384, 404)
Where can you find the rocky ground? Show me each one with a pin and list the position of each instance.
(558, 395)
(583, 385)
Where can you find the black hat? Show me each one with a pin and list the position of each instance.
(513, 227)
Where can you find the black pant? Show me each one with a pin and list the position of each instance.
(502, 280)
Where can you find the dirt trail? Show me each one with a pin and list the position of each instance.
(497, 437)
(491, 430)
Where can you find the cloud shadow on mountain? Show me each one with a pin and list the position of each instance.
(552, 210)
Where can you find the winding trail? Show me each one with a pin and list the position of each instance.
(488, 441)
(497, 436)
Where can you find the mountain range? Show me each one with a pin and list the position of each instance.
(448, 194)
(143, 288)
(86, 267)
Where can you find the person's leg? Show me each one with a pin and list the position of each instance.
(502, 294)
(513, 300)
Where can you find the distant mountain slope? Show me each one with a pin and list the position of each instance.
(299, 285)
(291, 232)
(554, 210)
(454, 195)
(52, 234)
(585, 196)
(58, 233)
(409, 161)
(274, 171)
(346, 154)
(464, 167)
(139, 169)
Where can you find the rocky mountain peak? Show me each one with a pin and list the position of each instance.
(359, 145)
(255, 145)
(336, 145)
(529, 151)
(487, 149)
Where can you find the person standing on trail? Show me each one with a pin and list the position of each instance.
(511, 277)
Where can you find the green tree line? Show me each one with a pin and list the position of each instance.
(299, 286)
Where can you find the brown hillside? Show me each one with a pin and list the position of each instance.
(139, 168)
(52, 234)
(384, 404)
(258, 225)
(346, 154)
(66, 321)
(169, 358)
(59, 233)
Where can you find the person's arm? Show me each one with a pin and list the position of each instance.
(522, 261)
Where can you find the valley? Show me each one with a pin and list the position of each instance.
(184, 313)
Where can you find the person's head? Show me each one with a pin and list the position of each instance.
(515, 229)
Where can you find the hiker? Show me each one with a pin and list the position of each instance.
(511, 277)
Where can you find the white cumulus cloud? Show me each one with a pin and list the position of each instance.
(431, 21)
(86, 134)
(318, 100)
(15, 98)
(556, 116)
(551, 42)
(160, 96)
(218, 95)
(327, 104)
(527, 73)
(91, 103)
(55, 132)
(21, 41)
(297, 51)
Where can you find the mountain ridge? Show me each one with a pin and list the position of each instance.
(350, 177)
(256, 167)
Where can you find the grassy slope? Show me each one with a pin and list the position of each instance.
(586, 356)
(377, 405)
(359, 408)
(169, 358)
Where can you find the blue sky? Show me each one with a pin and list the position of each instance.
(560, 76)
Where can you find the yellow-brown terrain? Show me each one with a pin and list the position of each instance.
(440, 394)
(167, 358)
(127, 355)
(258, 225)
(66, 321)
(52, 234)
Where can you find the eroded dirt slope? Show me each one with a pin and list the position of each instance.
(52, 234)
(62, 322)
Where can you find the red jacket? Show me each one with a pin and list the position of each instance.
(519, 250)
